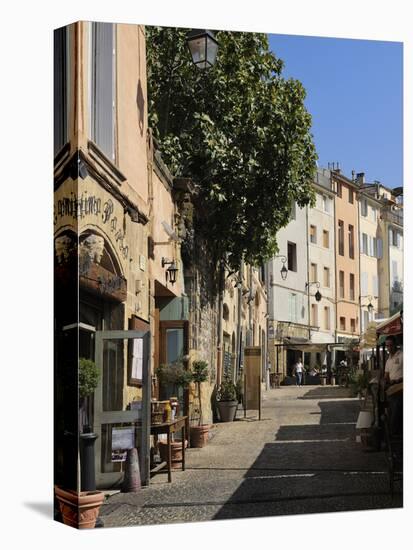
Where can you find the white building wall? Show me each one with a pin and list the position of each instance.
(288, 299)
(322, 218)
(371, 249)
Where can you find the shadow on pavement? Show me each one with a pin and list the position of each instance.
(327, 392)
(314, 469)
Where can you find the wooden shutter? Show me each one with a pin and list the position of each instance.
(103, 90)
(60, 88)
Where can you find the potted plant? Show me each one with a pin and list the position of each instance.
(81, 508)
(176, 376)
(199, 433)
(227, 400)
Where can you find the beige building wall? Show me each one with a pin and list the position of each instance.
(371, 248)
(347, 212)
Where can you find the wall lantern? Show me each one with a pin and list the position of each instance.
(203, 47)
(171, 271)
(317, 295)
(370, 307)
(284, 272)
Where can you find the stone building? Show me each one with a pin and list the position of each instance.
(347, 262)
(133, 287)
(321, 257)
(115, 222)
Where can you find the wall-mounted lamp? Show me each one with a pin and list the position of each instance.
(171, 271)
(317, 295)
(284, 269)
(370, 306)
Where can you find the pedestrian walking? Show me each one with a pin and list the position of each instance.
(298, 372)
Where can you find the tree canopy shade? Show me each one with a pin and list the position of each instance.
(239, 130)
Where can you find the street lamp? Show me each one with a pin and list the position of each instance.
(171, 271)
(284, 270)
(370, 306)
(203, 47)
(317, 295)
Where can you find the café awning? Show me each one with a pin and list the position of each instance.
(303, 344)
(393, 325)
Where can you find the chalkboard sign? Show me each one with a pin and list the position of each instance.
(123, 438)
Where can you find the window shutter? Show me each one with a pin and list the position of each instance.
(60, 88)
(103, 87)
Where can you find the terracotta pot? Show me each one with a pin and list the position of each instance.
(176, 453)
(79, 510)
(199, 435)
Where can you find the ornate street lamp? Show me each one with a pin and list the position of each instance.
(317, 295)
(203, 47)
(171, 271)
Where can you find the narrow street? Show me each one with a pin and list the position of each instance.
(301, 458)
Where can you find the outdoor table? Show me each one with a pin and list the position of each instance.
(169, 428)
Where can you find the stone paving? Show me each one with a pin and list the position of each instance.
(302, 457)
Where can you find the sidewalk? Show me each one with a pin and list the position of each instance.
(302, 457)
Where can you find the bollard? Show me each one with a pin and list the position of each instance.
(132, 479)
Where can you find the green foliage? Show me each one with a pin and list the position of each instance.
(239, 386)
(240, 131)
(359, 383)
(199, 371)
(88, 377)
(174, 373)
(227, 391)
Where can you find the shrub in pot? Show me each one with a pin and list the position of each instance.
(227, 400)
(199, 433)
(81, 508)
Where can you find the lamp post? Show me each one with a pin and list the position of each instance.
(203, 47)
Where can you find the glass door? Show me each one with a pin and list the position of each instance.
(121, 403)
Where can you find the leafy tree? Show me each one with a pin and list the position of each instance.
(240, 131)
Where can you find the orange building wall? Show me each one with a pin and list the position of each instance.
(348, 213)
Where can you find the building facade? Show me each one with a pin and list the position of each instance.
(321, 256)
(288, 299)
(347, 260)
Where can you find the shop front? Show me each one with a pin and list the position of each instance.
(100, 245)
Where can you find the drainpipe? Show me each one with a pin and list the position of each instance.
(249, 332)
(237, 369)
(308, 277)
(335, 271)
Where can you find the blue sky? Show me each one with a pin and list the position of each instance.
(354, 94)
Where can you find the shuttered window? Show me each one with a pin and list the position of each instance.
(60, 88)
(102, 123)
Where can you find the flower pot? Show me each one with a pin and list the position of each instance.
(79, 510)
(199, 435)
(176, 453)
(227, 410)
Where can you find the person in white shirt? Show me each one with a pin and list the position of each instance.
(298, 372)
(393, 379)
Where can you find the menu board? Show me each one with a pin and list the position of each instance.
(252, 373)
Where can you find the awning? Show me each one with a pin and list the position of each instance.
(393, 325)
(303, 344)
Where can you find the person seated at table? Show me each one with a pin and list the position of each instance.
(393, 379)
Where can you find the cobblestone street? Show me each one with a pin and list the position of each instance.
(301, 458)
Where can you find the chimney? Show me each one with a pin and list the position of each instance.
(360, 178)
